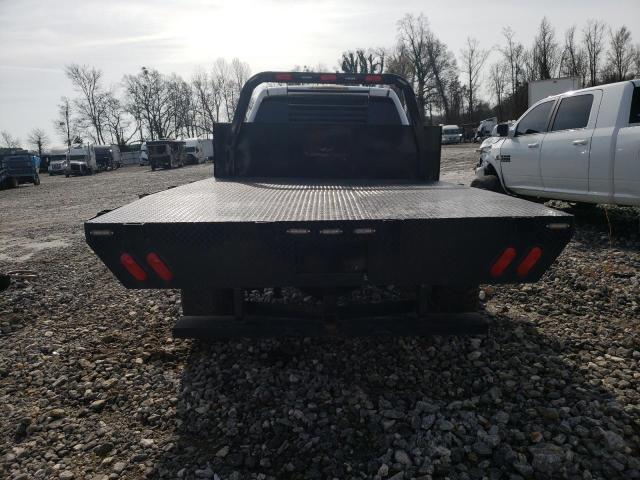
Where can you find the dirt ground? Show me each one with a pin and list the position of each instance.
(93, 386)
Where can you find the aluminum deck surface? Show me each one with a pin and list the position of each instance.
(286, 200)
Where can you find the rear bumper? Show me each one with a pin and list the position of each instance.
(455, 251)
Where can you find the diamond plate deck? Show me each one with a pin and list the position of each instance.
(215, 200)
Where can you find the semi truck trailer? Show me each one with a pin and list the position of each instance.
(329, 183)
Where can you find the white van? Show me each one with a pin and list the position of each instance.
(580, 146)
(194, 151)
(451, 134)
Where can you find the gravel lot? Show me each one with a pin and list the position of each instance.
(93, 386)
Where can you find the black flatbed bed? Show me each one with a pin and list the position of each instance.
(279, 232)
(285, 200)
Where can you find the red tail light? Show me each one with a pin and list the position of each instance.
(328, 77)
(284, 77)
(503, 262)
(529, 261)
(132, 267)
(159, 267)
(373, 79)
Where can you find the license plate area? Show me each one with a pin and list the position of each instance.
(332, 256)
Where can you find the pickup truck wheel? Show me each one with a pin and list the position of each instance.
(488, 182)
(453, 299)
(218, 301)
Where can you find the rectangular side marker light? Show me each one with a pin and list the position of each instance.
(298, 231)
(101, 233)
(558, 226)
(330, 231)
(364, 231)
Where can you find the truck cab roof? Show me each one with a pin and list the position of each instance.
(327, 103)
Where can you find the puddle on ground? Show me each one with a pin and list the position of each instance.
(20, 249)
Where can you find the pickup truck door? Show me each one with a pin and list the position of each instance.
(564, 157)
(520, 154)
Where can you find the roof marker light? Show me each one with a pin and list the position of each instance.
(373, 79)
(328, 77)
(284, 77)
(364, 231)
(331, 231)
(132, 267)
(503, 262)
(529, 261)
(159, 267)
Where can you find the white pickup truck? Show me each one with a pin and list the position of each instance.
(579, 146)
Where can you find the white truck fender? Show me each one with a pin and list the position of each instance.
(488, 161)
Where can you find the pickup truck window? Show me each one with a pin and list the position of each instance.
(573, 112)
(634, 116)
(536, 120)
(328, 108)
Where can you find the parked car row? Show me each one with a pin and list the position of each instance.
(83, 160)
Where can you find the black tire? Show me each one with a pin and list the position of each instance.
(453, 299)
(153, 168)
(217, 301)
(36, 180)
(488, 182)
(66, 175)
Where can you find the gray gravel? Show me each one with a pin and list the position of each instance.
(92, 385)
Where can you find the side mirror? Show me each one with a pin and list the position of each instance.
(503, 130)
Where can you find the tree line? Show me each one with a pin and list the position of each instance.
(450, 87)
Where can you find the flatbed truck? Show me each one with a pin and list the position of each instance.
(327, 188)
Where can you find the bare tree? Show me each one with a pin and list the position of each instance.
(473, 59)
(87, 81)
(8, 140)
(413, 36)
(593, 37)
(204, 93)
(363, 60)
(65, 125)
(573, 62)
(398, 61)
(513, 53)
(498, 79)
(621, 54)
(636, 60)
(147, 96)
(545, 51)
(117, 122)
(444, 69)
(38, 139)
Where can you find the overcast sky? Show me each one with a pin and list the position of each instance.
(38, 37)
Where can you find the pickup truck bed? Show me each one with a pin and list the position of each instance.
(246, 233)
